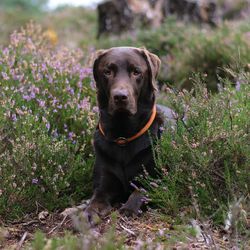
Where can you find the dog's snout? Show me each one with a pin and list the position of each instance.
(120, 96)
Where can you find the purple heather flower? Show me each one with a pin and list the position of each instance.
(95, 109)
(70, 135)
(47, 125)
(5, 51)
(41, 103)
(5, 76)
(70, 90)
(34, 89)
(92, 84)
(21, 89)
(19, 112)
(237, 85)
(79, 84)
(54, 101)
(84, 104)
(44, 67)
(34, 181)
(26, 97)
(14, 118)
(161, 128)
(55, 133)
(15, 77)
(50, 79)
(32, 95)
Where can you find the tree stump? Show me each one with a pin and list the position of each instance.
(117, 16)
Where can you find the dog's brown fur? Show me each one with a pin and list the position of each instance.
(125, 81)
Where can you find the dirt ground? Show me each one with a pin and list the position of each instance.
(150, 227)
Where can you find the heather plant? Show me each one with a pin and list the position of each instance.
(47, 116)
(205, 161)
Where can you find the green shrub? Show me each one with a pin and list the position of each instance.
(206, 160)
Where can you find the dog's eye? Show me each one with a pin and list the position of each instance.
(136, 72)
(107, 72)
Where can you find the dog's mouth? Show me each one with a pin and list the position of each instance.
(122, 110)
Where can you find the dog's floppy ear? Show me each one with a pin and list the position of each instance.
(154, 64)
(98, 55)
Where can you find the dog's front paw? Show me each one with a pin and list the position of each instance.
(133, 204)
(95, 211)
(92, 217)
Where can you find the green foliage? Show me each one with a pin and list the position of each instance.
(206, 159)
(68, 242)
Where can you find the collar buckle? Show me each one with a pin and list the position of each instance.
(121, 141)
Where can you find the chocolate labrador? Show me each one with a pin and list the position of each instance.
(129, 122)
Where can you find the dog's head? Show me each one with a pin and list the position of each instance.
(125, 78)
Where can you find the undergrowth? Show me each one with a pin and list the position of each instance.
(205, 161)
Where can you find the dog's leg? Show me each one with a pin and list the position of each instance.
(134, 203)
(106, 188)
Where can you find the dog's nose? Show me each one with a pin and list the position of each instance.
(120, 96)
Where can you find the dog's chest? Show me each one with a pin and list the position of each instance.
(126, 162)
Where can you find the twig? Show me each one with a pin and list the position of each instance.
(206, 232)
(29, 222)
(126, 229)
(57, 226)
(22, 240)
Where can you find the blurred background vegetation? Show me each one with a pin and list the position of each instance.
(183, 46)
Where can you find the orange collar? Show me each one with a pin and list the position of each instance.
(122, 140)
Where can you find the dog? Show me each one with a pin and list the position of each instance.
(129, 121)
